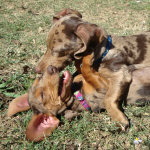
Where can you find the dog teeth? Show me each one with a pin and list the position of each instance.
(64, 78)
(45, 122)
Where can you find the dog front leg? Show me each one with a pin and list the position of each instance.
(117, 87)
(89, 74)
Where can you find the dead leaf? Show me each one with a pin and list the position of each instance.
(25, 69)
(40, 30)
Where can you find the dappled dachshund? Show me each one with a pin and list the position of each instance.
(71, 36)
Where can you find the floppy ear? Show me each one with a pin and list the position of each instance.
(65, 12)
(90, 35)
(18, 104)
(41, 126)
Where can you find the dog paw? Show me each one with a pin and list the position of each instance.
(122, 126)
(70, 114)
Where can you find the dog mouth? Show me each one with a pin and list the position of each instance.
(64, 80)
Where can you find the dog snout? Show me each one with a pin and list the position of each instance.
(52, 69)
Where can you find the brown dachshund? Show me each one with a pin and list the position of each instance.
(51, 95)
(71, 36)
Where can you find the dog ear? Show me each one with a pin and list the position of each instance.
(18, 104)
(41, 126)
(90, 35)
(65, 12)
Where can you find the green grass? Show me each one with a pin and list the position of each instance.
(24, 25)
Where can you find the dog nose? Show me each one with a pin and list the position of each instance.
(51, 69)
(37, 70)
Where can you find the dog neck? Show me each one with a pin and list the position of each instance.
(108, 46)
